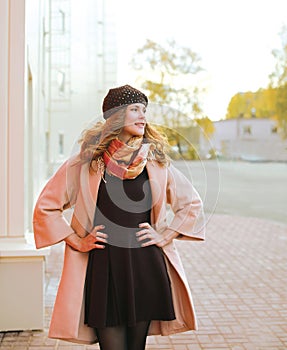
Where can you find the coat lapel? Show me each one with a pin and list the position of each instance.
(157, 179)
(90, 182)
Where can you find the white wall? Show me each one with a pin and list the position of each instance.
(91, 69)
(35, 160)
(4, 27)
(86, 52)
(12, 117)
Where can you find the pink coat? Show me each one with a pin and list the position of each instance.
(74, 186)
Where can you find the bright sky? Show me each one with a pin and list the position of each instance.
(233, 38)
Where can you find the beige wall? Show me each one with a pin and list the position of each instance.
(12, 70)
(21, 266)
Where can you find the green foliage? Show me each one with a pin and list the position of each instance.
(169, 60)
(168, 73)
(281, 109)
(278, 80)
(270, 102)
(259, 104)
(279, 76)
(183, 141)
(206, 125)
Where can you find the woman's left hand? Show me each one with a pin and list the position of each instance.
(153, 236)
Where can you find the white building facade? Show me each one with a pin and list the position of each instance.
(79, 63)
(57, 61)
(251, 139)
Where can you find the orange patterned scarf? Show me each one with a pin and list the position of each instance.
(126, 160)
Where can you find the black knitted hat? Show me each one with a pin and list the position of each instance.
(120, 97)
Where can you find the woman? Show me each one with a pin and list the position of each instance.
(122, 276)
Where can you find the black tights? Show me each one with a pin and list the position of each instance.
(123, 337)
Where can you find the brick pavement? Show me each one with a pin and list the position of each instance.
(238, 279)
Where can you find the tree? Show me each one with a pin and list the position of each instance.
(278, 79)
(206, 125)
(259, 104)
(170, 74)
(279, 76)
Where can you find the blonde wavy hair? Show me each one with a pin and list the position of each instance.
(96, 139)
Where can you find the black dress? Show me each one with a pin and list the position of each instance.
(125, 283)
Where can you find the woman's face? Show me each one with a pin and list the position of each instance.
(135, 122)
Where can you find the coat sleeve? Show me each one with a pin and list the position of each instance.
(187, 207)
(60, 193)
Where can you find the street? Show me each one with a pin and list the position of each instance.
(240, 188)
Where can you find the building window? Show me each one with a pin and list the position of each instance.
(47, 144)
(58, 19)
(247, 130)
(61, 143)
(61, 80)
(62, 26)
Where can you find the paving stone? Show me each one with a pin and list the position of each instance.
(238, 283)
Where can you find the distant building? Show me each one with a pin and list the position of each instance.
(251, 139)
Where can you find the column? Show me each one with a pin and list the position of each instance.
(21, 265)
(4, 12)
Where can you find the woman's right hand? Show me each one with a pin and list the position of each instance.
(89, 242)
